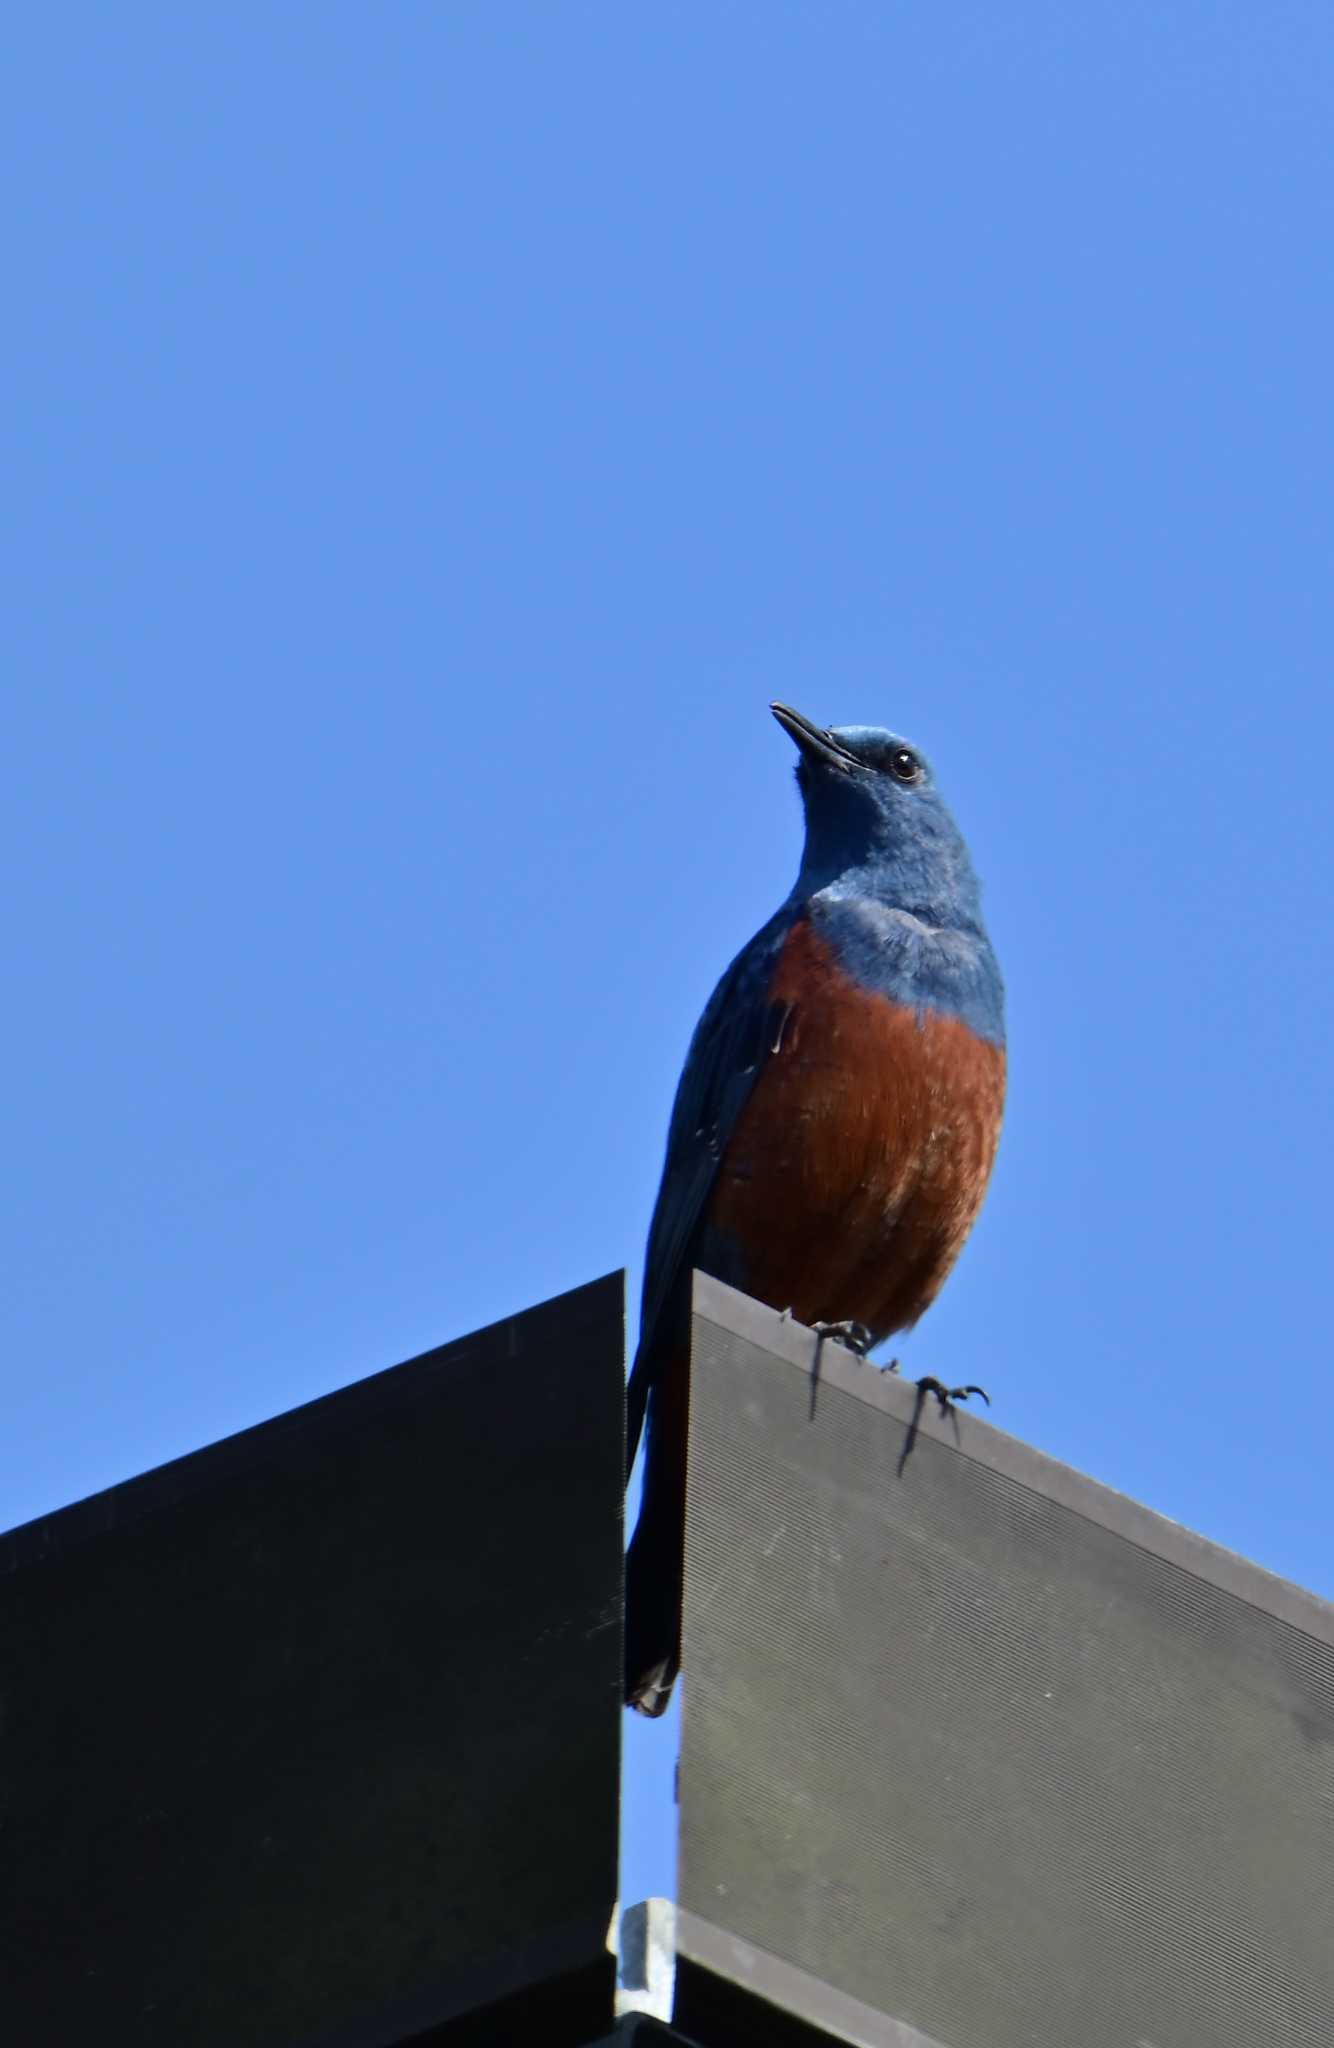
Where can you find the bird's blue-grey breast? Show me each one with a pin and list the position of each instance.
(837, 1118)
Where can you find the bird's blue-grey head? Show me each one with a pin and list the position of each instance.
(875, 819)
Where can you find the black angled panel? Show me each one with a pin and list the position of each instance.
(312, 1738)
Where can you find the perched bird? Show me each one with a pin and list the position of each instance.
(836, 1121)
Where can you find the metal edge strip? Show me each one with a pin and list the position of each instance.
(791, 1989)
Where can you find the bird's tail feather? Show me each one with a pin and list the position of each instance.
(652, 1616)
(655, 1564)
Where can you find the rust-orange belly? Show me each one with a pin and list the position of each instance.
(860, 1161)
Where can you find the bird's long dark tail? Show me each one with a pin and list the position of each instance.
(655, 1564)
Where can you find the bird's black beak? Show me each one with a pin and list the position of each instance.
(814, 741)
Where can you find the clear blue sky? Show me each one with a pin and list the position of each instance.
(435, 433)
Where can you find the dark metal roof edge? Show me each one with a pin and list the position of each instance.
(840, 1371)
(400, 1385)
(790, 1989)
(543, 1959)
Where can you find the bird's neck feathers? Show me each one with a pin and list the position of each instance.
(890, 889)
(908, 856)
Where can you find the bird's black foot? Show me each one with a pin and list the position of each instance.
(854, 1336)
(929, 1387)
(945, 1396)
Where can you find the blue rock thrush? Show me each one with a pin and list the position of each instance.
(836, 1121)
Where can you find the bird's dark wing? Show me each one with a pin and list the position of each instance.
(732, 1041)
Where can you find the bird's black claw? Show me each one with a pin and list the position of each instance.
(945, 1398)
(929, 1384)
(854, 1336)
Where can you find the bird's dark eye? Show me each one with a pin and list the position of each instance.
(904, 764)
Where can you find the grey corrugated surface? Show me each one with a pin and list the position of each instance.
(1018, 1770)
